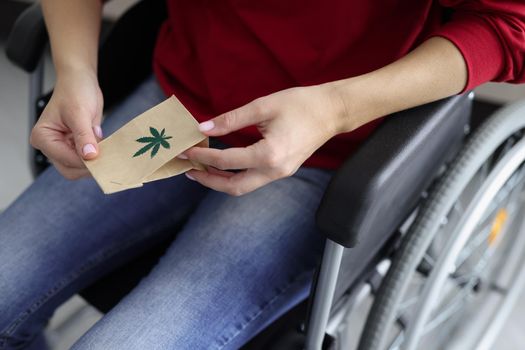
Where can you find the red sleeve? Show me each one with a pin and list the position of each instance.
(491, 37)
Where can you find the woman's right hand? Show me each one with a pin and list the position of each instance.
(69, 128)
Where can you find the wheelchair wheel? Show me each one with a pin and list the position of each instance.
(459, 269)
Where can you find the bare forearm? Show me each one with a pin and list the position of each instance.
(434, 70)
(74, 28)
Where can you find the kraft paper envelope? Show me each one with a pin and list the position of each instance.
(145, 148)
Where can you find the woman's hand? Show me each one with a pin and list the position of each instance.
(296, 122)
(69, 127)
(293, 123)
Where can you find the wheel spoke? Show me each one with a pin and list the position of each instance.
(498, 289)
(398, 340)
(470, 270)
(429, 260)
(512, 189)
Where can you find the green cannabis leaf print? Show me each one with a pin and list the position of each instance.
(153, 142)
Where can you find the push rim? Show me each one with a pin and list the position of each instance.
(452, 285)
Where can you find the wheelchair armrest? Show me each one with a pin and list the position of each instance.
(379, 185)
(27, 39)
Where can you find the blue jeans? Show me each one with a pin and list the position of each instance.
(237, 263)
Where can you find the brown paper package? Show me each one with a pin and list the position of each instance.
(144, 149)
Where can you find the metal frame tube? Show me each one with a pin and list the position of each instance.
(323, 295)
(36, 83)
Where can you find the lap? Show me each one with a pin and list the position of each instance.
(238, 263)
(59, 235)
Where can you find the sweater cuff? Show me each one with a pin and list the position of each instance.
(479, 45)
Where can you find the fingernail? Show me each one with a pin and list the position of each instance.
(98, 131)
(89, 148)
(182, 156)
(189, 177)
(206, 126)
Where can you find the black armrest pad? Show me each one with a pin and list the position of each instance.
(27, 39)
(377, 187)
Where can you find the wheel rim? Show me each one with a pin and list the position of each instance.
(438, 276)
(480, 146)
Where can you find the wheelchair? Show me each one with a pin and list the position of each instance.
(424, 224)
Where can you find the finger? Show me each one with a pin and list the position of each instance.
(236, 185)
(60, 153)
(55, 146)
(84, 136)
(97, 126)
(250, 114)
(215, 171)
(71, 173)
(225, 159)
(97, 130)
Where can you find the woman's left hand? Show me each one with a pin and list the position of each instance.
(293, 123)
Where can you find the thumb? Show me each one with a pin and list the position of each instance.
(247, 115)
(84, 137)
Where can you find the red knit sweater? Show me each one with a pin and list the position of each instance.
(219, 55)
